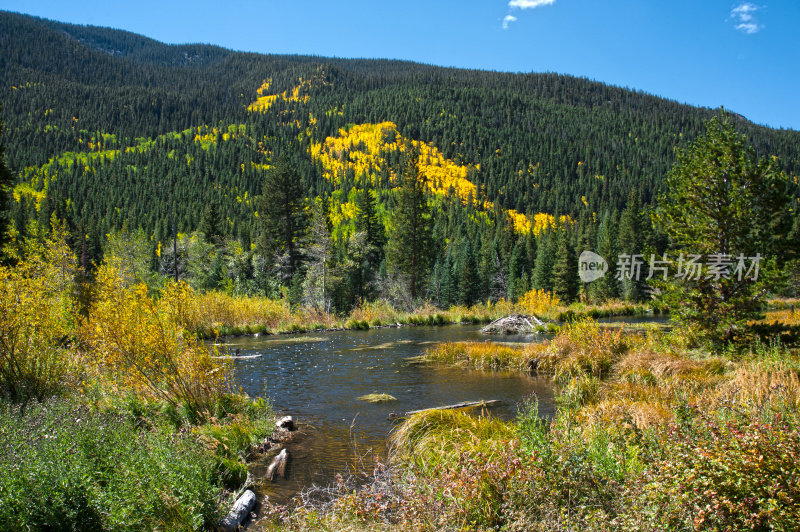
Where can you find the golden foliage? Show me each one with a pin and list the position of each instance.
(137, 344)
(265, 101)
(209, 312)
(37, 310)
(365, 150)
(538, 302)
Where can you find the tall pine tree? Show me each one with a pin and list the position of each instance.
(6, 181)
(566, 282)
(411, 243)
(469, 284)
(545, 258)
(631, 243)
(282, 212)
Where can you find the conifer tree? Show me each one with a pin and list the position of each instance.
(211, 224)
(486, 271)
(281, 210)
(516, 271)
(543, 269)
(566, 282)
(724, 201)
(607, 287)
(469, 284)
(367, 221)
(6, 181)
(411, 243)
(631, 243)
(317, 283)
(530, 251)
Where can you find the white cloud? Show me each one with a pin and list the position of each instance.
(523, 4)
(508, 20)
(748, 28)
(745, 15)
(744, 12)
(530, 4)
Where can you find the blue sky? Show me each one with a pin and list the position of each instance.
(741, 54)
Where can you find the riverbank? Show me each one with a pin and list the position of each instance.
(114, 417)
(215, 314)
(118, 415)
(67, 463)
(652, 432)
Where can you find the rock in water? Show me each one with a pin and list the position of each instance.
(514, 324)
(277, 469)
(239, 512)
(285, 423)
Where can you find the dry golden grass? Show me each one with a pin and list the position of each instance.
(209, 311)
(484, 355)
(623, 412)
(660, 365)
(787, 316)
(581, 348)
(755, 384)
(439, 436)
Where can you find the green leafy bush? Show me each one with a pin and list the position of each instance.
(65, 466)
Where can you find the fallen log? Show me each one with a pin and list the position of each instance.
(240, 511)
(465, 404)
(278, 466)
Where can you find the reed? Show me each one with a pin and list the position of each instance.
(434, 438)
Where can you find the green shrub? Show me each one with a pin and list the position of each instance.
(738, 473)
(64, 466)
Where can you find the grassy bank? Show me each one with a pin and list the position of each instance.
(113, 416)
(66, 464)
(651, 433)
(214, 314)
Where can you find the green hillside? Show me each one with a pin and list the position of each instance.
(108, 129)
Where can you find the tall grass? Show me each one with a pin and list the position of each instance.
(436, 437)
(484, 355)
(580, 348)
(213, 313)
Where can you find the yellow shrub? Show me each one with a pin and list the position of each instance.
(208, 312)
(37, 312)
(537, 302)
(139, 345)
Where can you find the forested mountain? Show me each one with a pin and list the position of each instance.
(107, 129)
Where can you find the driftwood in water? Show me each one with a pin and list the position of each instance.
(514, 324)
(278, 466)
(465, 404)
(240, 511)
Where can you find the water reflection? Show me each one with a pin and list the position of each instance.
(319, 378)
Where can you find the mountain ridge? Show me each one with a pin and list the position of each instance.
(537, 143)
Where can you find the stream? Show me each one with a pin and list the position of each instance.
(318, 377)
